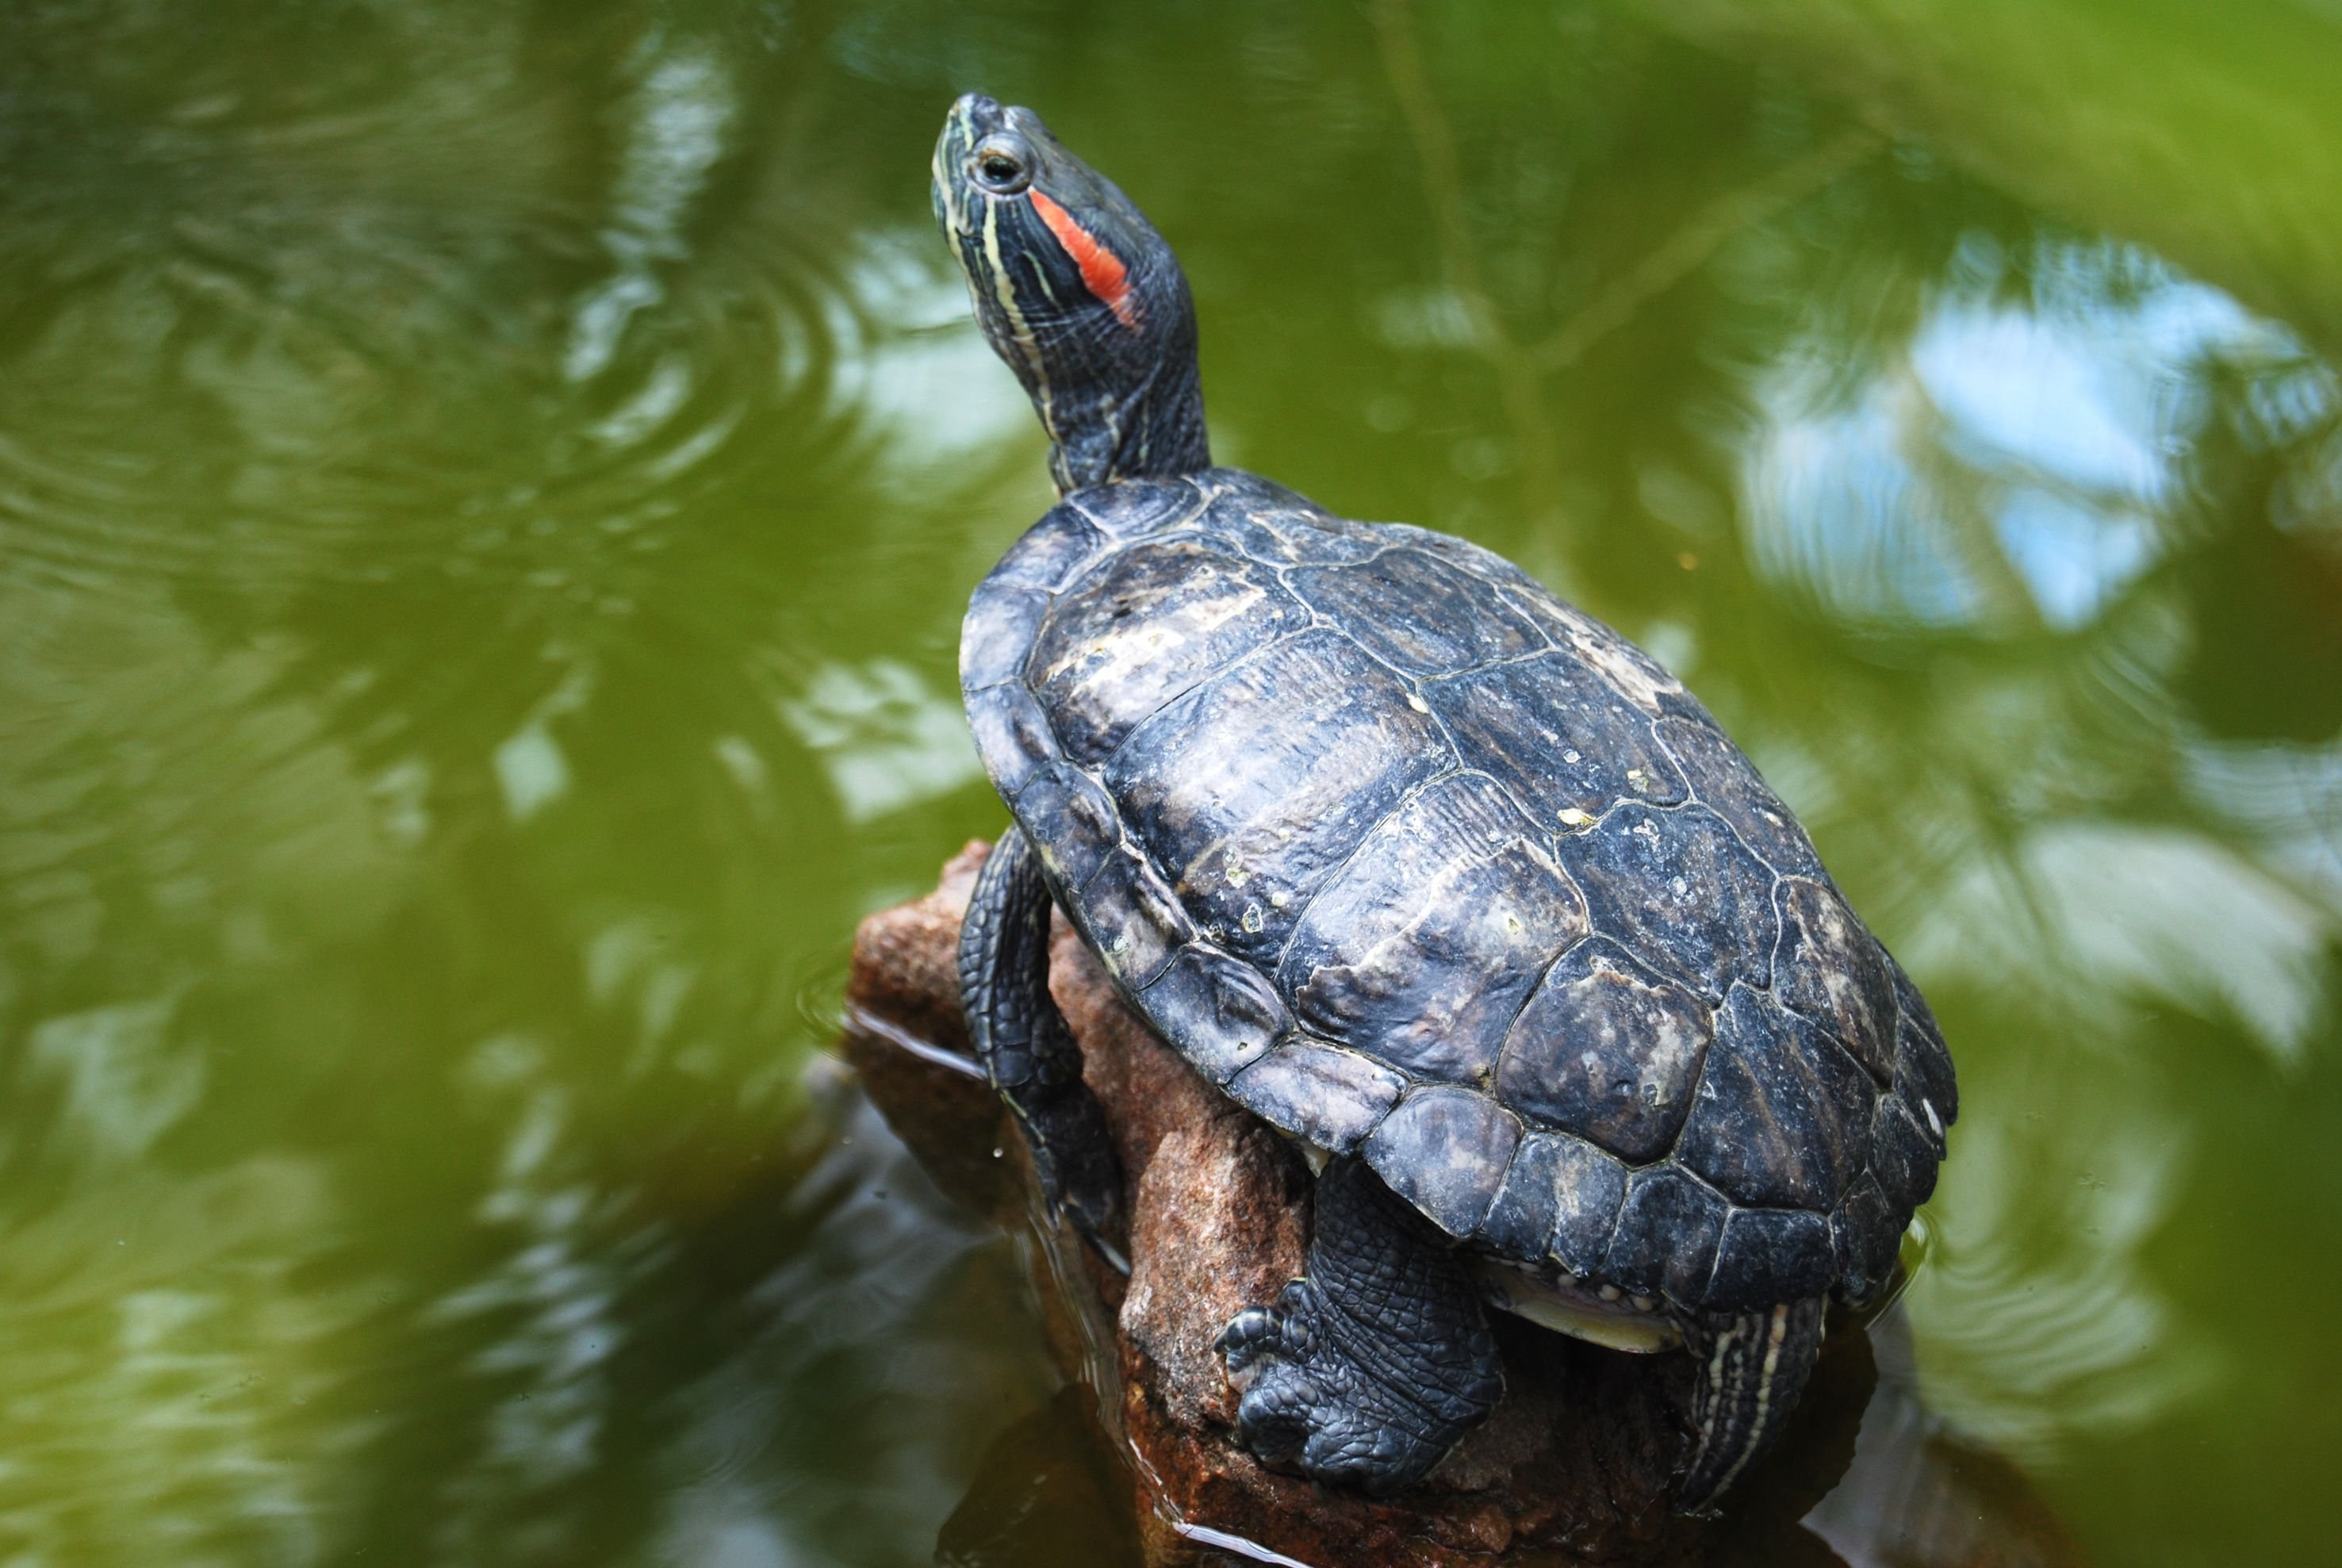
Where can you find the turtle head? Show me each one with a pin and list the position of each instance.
(1077, 291)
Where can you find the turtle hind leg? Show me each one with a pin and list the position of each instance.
(1367, 1371)
(1753, 1367)
(1027, 1050)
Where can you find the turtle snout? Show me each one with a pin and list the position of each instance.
(980, 114)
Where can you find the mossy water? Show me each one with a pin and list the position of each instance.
(486, 497)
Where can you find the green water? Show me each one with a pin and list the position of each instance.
(486, 495)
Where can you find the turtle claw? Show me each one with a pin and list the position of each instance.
(1095, 1214)
(1251, 1334)
(1256, 1335)
(1084, 1192)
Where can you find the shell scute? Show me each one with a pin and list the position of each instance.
(1639, 677)
(1248, 806)
(1296, 535)
(1902, 1156)
(1422, 947)
(1011, 735)
(1520, 1222)
(1723, 779)
(1679, 890)
(1146, 626)
(1133, 508)
(1608, 1050)
(1466, 556)
(1668, 1227)
(1923, 1064)
(1051, 552)
(1418, 613)
(1281, 527)
(996, 635)
(1134, 921)
(1866, 1234)
(1782, 1115)
(1589, 1187)
(1558, 735)
(1330, 1097)
(1446, 1150)
(1072, 825)
(1217, 1011)
(1831, 970)
(1770, 1255)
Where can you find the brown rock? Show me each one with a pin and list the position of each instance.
(1575, 1466)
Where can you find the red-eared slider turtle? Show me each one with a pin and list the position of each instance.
(1444, 879)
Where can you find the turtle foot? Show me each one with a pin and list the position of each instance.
(1027, 1051)
(1366, 1371)
(1308, 1406)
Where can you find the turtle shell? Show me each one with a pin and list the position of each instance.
(1416, 861)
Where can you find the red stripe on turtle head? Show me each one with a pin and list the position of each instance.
(1103, 273)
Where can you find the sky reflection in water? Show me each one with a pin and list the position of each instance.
(485, 501)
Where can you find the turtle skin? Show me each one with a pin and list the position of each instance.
(1421, 865)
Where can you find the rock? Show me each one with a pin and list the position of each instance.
(1575, 1465)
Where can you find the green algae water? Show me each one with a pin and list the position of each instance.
(487, 492)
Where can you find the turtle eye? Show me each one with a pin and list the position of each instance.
(1004, 164)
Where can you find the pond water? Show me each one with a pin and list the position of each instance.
(487, 492)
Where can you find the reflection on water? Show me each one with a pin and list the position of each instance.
(2105, 918)
(889, 741)
(486, 495)
(2020, 463)
(2041, 1318)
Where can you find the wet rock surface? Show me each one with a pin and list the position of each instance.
(1576, 1466)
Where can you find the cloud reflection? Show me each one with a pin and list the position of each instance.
(886, 739)
(2019, 460)
(675, 131)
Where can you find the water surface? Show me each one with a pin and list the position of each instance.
(486, 495)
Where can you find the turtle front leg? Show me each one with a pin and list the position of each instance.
(1027, 1050)
(1752, 1368)
(1367, 1371)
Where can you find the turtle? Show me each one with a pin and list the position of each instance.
(1444, 879)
